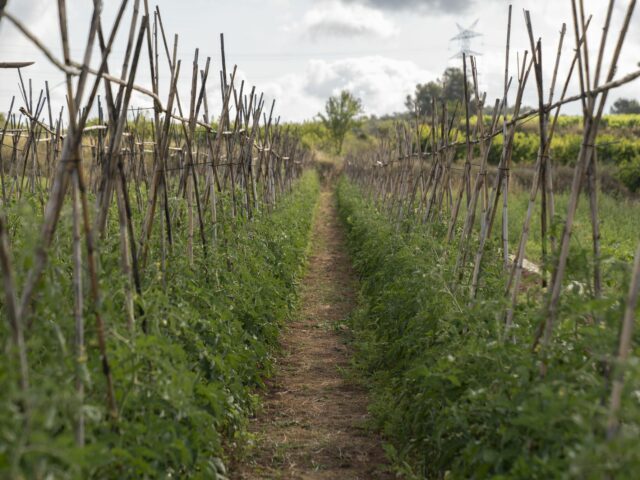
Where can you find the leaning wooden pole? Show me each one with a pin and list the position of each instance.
(624, 348)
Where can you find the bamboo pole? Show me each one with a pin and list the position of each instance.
(592, 120)
(78, 311)
(624, 348)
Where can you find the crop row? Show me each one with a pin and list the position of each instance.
(185, 387)
(455, 397)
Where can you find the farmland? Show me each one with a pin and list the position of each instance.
(497, 322)
(148, 265)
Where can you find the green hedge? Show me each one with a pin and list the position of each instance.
(184, 390)
(629, 121)
(456, 401)
(629, 173)
(612, 149)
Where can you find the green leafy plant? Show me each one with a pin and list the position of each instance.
(454, 398)
(185, 388)
(339, 117)
(629, 173)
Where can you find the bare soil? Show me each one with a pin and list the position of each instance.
(314, 419)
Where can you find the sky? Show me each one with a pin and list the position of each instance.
(302, 51)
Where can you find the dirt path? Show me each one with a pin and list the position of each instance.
(313, 423)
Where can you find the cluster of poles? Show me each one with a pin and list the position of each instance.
(406, 178)
(179, 166)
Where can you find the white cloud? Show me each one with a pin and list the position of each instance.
(382, 84)
(420, 6)
(335, 19)
(278, 59)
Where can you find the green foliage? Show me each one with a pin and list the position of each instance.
(142, 127)
(619, 224)
(312, 134)
(566, 121)
(617, 143)
(453, 85)
(454, 398)
(185, 389)
(422, 99)
(629, 173)
(614, 121)
(525, 148)
(621, 121)
(339, 117)
(565, 148)
(625, 106)
(450, 89)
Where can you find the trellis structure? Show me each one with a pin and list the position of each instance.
(404, 177)
(183, 167)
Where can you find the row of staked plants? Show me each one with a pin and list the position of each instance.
(186, 387)
(613, 149)
(453, 396)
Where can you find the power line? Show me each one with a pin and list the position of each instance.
(463, 38)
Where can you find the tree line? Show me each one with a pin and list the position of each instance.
(342, 110)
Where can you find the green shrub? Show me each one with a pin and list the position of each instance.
(629, 173)
(622, 120)
(185, 389)
(565, 148)
(453, 398)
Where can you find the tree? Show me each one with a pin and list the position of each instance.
(453, 85)
(625, 105)
(339, 117)
(449, 88)
(423, 97)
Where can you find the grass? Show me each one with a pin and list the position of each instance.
(619, 224)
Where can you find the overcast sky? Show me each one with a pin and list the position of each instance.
(302, 51)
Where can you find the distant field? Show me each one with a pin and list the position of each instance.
(618, 141)
(619, 224)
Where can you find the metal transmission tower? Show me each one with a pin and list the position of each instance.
(464, 37)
